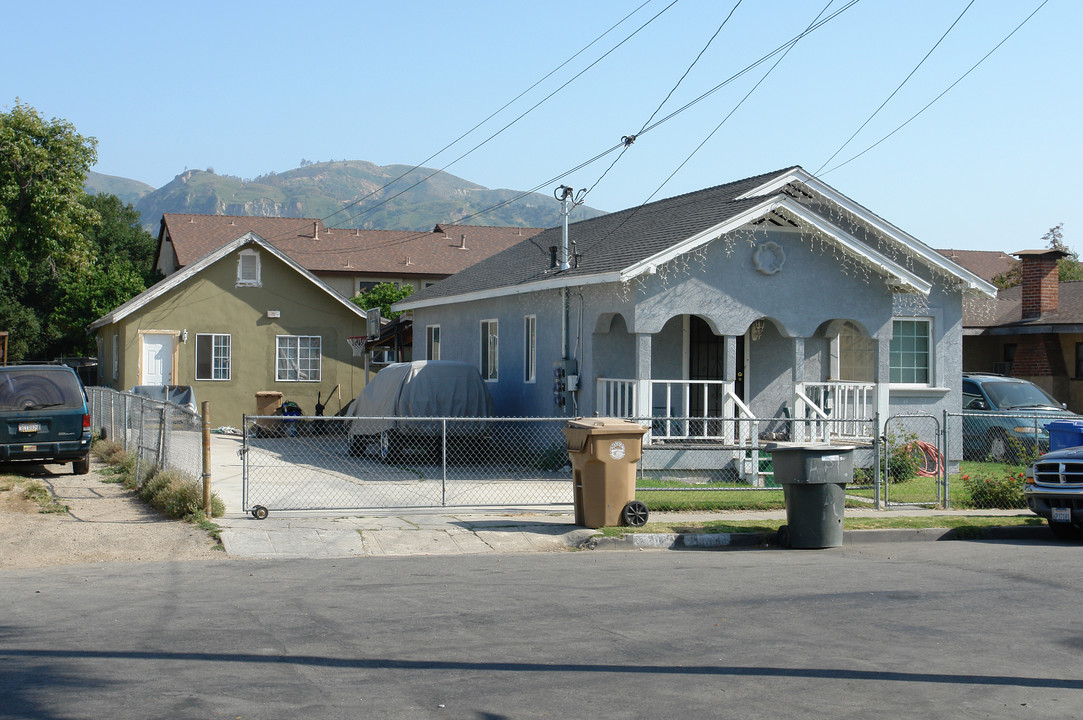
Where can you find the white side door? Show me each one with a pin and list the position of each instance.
(157, 359)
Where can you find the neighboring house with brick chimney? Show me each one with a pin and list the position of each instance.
(1034, 331)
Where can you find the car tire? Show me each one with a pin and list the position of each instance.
(81, 466)
(387, 450)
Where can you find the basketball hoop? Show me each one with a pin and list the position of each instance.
(357, 344)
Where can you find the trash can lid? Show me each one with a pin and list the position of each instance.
(1065, 425)
(814, 447)
(606, 426)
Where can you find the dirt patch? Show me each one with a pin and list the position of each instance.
(104, 523)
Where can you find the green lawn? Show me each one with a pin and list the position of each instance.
(673, 494)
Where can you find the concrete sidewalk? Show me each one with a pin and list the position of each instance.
(297, 535)
(444, 531)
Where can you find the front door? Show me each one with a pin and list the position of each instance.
(157, 359)
(707, 361)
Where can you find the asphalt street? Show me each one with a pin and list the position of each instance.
(916, 630)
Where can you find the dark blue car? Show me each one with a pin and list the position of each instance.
(1004, 418)
(44, 416)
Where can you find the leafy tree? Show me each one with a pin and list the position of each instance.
(383, 296)
(1069, 268)
(66, 258)
(120, 237)
(43, 165)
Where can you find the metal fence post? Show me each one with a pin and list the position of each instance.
(876, 454)
(162, 438)
(946, 504)
(443, 481)
(206, 407)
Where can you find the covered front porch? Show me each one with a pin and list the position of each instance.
(716, 400)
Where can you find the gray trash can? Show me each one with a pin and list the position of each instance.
(813, 478)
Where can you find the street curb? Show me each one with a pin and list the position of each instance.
(722, 541)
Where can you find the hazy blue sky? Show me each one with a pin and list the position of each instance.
(251, 87)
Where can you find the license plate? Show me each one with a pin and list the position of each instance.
(29, 427)
(1062, 514)
(30, 448)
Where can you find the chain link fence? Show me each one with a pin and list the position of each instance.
(992, 462)
(321, 463)
(158, 434)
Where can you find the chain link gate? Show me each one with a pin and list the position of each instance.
(913, 469)
(332, 463)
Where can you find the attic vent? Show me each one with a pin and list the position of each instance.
(315, 231)
(409, 260)
(231, 222)
(192, 220)
(462, 242)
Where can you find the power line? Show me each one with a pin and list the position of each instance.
(897, 89)
(945, 92)
(784, 47)
(491, 115)
(739, 104)
(520, 117)
(627, 140)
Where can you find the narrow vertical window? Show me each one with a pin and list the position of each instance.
(530, 327)
(489, 349)
(432, 342)
(248, 269)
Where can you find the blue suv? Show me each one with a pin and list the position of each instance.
(1004, 418)
(44, 416)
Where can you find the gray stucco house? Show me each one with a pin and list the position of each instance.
(775, 296)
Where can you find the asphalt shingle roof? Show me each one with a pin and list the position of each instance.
(325, 250)
(607, 243)
(1009, 309)
(986, 264)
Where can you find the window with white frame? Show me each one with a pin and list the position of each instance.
(248, 269)
(212, 356)
(116, 356)
(432, 342)
(490, 346)
(530, 332)
(911, 351)
(297, 358)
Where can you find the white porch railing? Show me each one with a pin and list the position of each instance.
(672, 419)
(847, 405)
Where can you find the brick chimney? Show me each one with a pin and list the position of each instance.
(1040, 281)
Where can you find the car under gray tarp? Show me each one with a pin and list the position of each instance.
(421, 389)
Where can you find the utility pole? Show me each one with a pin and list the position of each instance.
(566, 367)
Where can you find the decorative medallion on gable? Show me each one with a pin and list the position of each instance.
(769, 257)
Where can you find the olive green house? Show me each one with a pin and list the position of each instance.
(242, 319)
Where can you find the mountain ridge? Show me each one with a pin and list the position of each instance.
(345, 193)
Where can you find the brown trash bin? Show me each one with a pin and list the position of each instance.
(267, 403)
(604, 453)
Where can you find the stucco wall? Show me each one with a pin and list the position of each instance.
(723, 286)
(210, 302)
